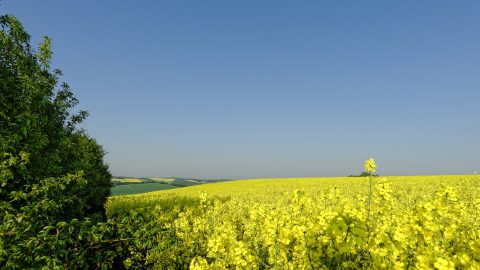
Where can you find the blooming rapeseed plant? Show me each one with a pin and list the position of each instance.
(398, 223)
(370, 166)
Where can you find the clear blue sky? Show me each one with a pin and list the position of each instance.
(271, 88)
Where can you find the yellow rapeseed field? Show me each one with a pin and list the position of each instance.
(401, 222)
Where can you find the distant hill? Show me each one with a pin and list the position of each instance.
(123, 185)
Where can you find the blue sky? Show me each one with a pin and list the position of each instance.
(240, 89)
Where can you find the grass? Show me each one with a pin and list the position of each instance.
(164, 180)
(185, 182)
(139, 188)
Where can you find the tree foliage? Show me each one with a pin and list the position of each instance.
(52, 174)
(37, 126)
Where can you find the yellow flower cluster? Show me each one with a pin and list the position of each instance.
(339, 223)
(370, 166)
(334, 231)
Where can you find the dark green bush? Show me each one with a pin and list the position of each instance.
(53, 180)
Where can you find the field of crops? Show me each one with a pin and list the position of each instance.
(132, 185)
(139, 188)
(126, 180)
(423, 222)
